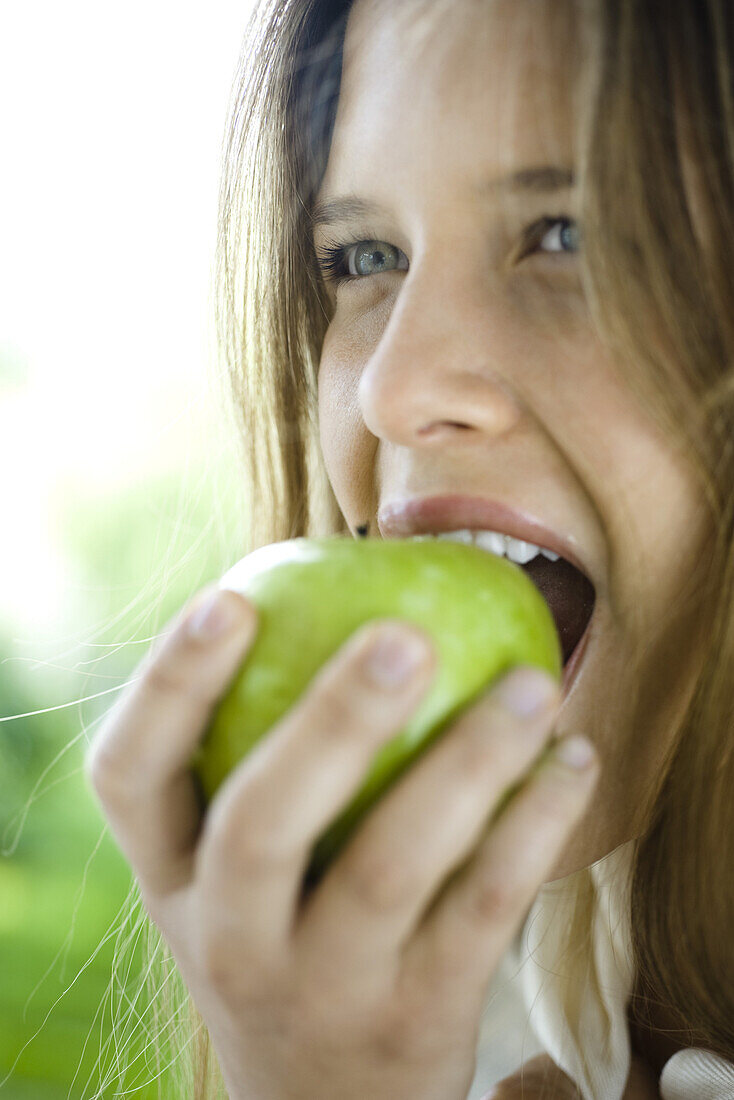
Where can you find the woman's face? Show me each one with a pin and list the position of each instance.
(448, 337)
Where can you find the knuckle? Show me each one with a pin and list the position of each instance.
(400, 1022)
(314, 1017)
(106, 773)
(245, 981)
(393, 1041)
(230, 835)
(341, 708)
(169, 676)
(115, 774)
(483, 750)
(495, 899)
(413, 1027)
(101, 763)
(335, 708)
(345, 700)
(164, 676)
(475, 748)
(550, 809)
(378, 882)
(215, 963)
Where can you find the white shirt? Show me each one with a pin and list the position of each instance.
(563, 988)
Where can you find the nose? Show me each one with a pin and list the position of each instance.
(432, 377)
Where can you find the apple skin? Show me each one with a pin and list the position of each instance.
(482, 613)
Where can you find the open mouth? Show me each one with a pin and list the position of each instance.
(570, 595)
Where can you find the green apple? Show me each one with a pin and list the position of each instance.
(482, 613)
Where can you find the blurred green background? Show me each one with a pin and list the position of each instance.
(120, 485)
(131, 559)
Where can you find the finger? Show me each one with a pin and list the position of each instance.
(464, 935)
(138, 763)
(374, 895)
(263, 824)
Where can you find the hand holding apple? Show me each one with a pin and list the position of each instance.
(374, 985)
(481, 613)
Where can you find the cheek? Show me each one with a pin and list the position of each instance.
(328, 399)
(350, 341)
(551, 305)
(341, 427)
(359, 317)
(336, 380)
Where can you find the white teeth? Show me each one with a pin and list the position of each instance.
(456, 536)
(495, 542)
(521, 552)
(492, 541)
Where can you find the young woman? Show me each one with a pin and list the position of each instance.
(477, 248)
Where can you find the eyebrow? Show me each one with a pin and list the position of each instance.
(544, 180)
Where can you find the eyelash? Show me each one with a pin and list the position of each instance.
(333, 258)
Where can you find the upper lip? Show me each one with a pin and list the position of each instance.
(423, 515)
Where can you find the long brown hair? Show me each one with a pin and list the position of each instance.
(656, 87)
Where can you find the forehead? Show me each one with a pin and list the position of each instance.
(453, 88)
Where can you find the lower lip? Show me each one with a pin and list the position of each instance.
(571, 669)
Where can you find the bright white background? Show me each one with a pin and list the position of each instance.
(110, 135)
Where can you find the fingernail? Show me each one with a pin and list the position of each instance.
(394, 657)
(576, 752)
(214, 617)
(526, 692)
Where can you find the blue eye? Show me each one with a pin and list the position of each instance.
(565, 234)
(350, 260)
(360, 258)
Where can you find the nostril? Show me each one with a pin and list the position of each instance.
(433, 428)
